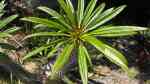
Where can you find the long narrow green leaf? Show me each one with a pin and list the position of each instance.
(12, 30)
(55, 14)
(35, 51)
(71, 11)
(62, 59)
(114, 31)
(95, 14)
(48, 23)
(45, 34)
(70, 6)
(50, 11)
(87, 56)
(111, 53)
(80, 11)
(88, 11)
(62, 4)
(2, 6)
(50, 54)
(82, 63)
(39, 49)
(102, 15)
(117, 34)
(2, 35)
(109, 29)
(105, 17)
(7, 20)
(67, 80)
(68, 10)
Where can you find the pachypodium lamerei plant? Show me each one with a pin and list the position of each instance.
(79, 26)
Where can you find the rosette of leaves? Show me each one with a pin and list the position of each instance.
(79, 26)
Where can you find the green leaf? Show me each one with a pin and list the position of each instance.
(2, 6)
(2, 35)
(67, 7)
(50, 11)
(40, 49)
(70, 11)
(12, 30)
(89, 10)
(35, 51)
(70, 6)
(62, 59)
(113, 31)
(45, 34)
(102, 15)
(48, 23)
(82, 63)
(87, 56)
(80, 11)
(62, 3)
(7, 20)
(109, 52)
(94, 15)
(107, 16)
(67, 80)
(117, 34)
(54, 49)
(56, 15)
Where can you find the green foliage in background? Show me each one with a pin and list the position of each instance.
(5, 31)
(4, 22)
(77, 27)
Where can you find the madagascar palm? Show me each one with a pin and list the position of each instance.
(79, 26)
